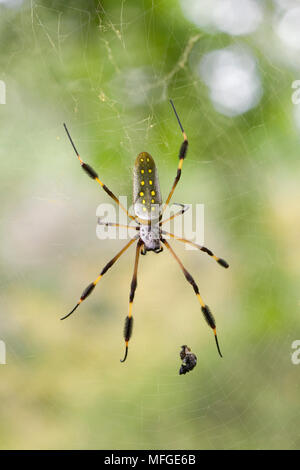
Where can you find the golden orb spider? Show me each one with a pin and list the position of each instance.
(148, 216)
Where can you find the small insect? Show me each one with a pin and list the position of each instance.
(148, 215)
(189, 360)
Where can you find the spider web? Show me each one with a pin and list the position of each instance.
(108, 70)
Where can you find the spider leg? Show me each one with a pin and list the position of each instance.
(129, 319)
(92, 173)
(143, 250)
(89, 289)
(205, 309)
(221, 261)
(185, 207)
(182, 154)
(113, 224)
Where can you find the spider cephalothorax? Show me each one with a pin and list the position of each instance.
(148, 215)
(151, 237)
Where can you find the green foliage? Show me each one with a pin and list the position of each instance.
(63, 385)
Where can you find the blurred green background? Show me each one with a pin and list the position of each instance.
(108, 69)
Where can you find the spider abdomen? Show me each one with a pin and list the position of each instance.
(146, 189)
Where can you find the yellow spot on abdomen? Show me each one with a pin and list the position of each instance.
(150, 182)
(142, 183)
